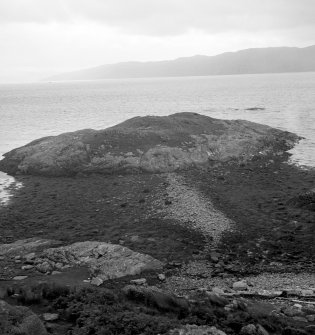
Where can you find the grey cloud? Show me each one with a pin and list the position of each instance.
(167, 17)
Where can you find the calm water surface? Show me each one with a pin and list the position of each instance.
(30, 111)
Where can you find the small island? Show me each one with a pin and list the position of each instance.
(183, 224)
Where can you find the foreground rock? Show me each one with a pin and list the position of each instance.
(19, 320)
(150, 144)
(105, 260)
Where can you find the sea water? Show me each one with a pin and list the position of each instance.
(285, 101)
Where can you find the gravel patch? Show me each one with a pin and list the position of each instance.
(188, 206)
(197, 275)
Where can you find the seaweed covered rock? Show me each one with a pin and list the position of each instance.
(150, 144)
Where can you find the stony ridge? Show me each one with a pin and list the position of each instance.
(146, 144)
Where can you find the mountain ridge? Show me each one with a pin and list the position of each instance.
(246, 61)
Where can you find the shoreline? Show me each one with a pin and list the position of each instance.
(123, 209)
(210, 229)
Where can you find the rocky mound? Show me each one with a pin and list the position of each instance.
(149, 144)
(105, 260)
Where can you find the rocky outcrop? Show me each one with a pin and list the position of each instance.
(105, 260)
(149, 144)
(19, 320)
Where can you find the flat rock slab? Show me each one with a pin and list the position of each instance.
(104, 260)
(23, 247)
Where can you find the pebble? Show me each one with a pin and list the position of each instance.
(55, 273)
(96, 281)
(306, 293)
(248, 330)
(140, 281)
(30, 257)
(240, 286)
(19, 277)
(161, 276)
(27, 267)
(50, 316)
(299, 318)
(310, 318)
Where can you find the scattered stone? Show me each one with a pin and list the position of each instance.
(248, 330)
(55, 272)
(50, 316)
(299, 306)
(261, 330)
(292, 292)
(216, 299)
(300, 318)
(44, 267)
(134, 238)
(292, 311)
(19, 277)
(140, 281)
(161, 277)
(240, 286)
(196, 330)
(217, 290)
(27, 267)
(30, 258)
(96, 281)
(214, 256)
(310, 318)
(306, 293)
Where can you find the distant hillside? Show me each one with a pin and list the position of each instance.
(263, 60)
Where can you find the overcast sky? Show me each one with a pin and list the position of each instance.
(44, 37)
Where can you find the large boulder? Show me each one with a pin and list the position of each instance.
(150, 144)
(19, 320)
(105, 260)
